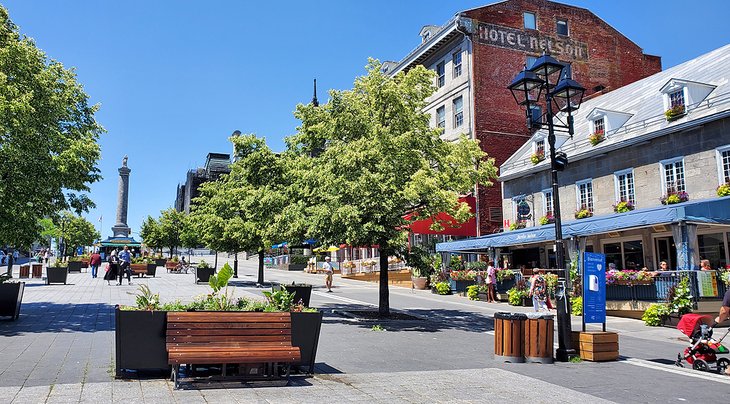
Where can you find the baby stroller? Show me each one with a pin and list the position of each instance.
(704, 349)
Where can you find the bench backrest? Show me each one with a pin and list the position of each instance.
(232, 329)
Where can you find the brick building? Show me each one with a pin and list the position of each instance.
(478, 52)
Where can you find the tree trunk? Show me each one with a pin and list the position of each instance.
(235, 265)
(384, 303)
(215, 265)
(261, 267)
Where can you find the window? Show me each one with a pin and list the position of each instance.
(712, 247)
(676, 99)
(456, 61)
(598, 126)
(625, 186)
(441, 72)
(540, 146)
(562, 27)
(584, 194)
(547, 199)
(673, 176)
(624, 255)
(723, 165)
(441, 117)
(530, 20)
(458, 112)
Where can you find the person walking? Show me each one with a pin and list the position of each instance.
(125, 260)
(724, 315)
(112, 268)
(328, 271)
(94, 263)
(490, 281)
(538, 291)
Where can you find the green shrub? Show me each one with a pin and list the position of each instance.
(576, 305)
(723, 190)
(515, 296)
(472, 292)
(443, 288)
(656, 313)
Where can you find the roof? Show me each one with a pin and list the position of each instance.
(642, 99)
(707, 211)
(120, 242)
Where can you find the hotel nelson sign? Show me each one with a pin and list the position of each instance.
(531, 41)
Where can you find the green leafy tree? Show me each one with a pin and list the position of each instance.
(150, 233)
(368, 157)
(48, 138)
(75, 231)
(171, 228)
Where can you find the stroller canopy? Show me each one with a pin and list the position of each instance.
(690, 323)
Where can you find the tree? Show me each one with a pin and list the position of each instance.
(378, 161)
(171, 227)
(150, 233)
(241, 209)
(48, 138)
(75, 231)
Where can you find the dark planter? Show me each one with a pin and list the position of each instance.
(140, 340)
(203, 274)
(11, 295)
(305, 328)
(75, 266)
(301, 291)
(419, 283)
(56, 275)
(295, 267)
(505, 285)
(460, 286)
(151, 269)
(160, 262)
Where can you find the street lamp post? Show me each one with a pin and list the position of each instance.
(553, 78)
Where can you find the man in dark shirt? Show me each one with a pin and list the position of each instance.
(94, 262)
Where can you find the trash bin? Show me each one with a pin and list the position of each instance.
(37, 270)
(538, 337)
(24, 271)
(508, 337)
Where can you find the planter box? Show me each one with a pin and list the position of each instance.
(504, 286)
(160, 262)
(460, 286)
(170, 265)
(301, 291)
(152, 269)
(11, 295)
(203, 274)
(75, 266)
(56, 275)
(622, 282)
(305, 328)
(140, 341)
(294, 267)
(419, 283)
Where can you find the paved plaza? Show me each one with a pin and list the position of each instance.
(62, 350)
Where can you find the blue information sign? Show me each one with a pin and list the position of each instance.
(79, 250)
(594, 288)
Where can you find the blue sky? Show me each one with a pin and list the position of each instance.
(176, 78)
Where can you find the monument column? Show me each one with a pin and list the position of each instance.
(120, 229)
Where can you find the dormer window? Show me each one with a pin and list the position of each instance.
(680, 96)
(540, 146)
(598, 126)
(604, 122)
(426, 36)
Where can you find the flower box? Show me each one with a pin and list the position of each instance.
(675, 112)
(596, 138)
(623, 206)
(547, 219)
(460, 286)
(583, 213)
(537, 157)
(675, 197)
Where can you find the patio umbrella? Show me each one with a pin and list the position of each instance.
(326, 249)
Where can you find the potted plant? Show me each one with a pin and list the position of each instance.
(623, 206)
(302, 292)
(724, 189)
(203, 272)
(441, 288)
(518, 295)
(57, 273)
(517, 226)
(11, 296)
(675, 112)
(674, 197)
(422, 266)
(505, 280)
(460, 280)
(160, 261)
(138, 265)
(547, 219)
(151, 266)
(583, 213)
(537, 157)
(75, 264)
(596, 137)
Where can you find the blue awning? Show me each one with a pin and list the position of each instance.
(707, 211)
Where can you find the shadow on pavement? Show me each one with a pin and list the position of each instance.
(432, 320)
(41, 317)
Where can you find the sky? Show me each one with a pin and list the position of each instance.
(174, 79)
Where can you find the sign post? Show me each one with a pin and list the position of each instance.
(594, 289)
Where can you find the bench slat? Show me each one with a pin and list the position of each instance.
(231, 332)
(226, 348)
(228, 325)
(213, 317)
(227, 338)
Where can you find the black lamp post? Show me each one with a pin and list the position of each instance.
(552, 78)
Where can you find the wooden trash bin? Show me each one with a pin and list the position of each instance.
(596, 346)
(539, 331)
(24, 271)
(508, 337)
(37, 271)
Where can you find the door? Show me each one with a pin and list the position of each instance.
(665, 251)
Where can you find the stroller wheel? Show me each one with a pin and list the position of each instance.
(722, 365)
(699, 364)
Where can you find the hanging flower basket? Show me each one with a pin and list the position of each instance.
(623, 206)
(675, 197)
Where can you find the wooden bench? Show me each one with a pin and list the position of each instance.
(138, 269)
(236, 338)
